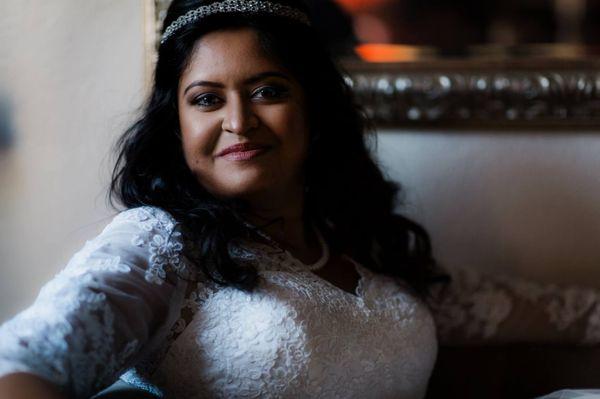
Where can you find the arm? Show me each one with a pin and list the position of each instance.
(479, 308)
(114, 302)
(28, 386)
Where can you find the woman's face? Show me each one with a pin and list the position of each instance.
(242, 117)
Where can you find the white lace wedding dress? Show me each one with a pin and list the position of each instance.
(128, 305)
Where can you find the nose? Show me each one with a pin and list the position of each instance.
(239, 116)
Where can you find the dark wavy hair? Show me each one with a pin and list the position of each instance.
(347, 196)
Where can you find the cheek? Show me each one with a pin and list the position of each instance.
(189, 145)
(198, 141)
(197, 155)
(293, 129)
(301, 133)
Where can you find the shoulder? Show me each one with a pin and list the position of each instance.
(145, 224)
(147, 236)
(146, 217)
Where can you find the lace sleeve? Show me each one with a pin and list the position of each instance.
(476, 308)
(115, 300)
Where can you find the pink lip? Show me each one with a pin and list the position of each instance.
(241, 152)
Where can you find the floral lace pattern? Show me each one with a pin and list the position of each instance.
(297, 335)
(124, 306)
(92, 319)
(476, 305)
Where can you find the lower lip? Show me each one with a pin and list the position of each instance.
(244, 155)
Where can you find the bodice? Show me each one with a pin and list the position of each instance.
(298, 336)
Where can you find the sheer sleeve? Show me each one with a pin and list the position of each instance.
(115, 300)
(481, 308)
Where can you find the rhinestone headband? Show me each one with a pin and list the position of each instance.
(234, 6)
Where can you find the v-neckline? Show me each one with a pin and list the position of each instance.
(358, 290)
(294, 264)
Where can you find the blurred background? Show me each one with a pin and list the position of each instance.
(464, 27)
(72, 74)
(71, 77)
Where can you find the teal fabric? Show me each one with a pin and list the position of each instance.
(123, 390)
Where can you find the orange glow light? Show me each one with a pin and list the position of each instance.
(353, 6)
(388, 52)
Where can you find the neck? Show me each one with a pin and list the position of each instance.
(283, 218)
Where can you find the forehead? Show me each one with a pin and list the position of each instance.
(228, 55)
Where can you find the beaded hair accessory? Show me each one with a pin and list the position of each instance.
(234, 6)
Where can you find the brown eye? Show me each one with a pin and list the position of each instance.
(271, 92)
(206, 100)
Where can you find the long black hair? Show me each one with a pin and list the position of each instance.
(346, 194)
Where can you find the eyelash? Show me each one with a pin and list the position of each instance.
(198, 100)
(279, 92)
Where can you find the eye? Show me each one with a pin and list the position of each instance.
(271, 92)
(206, 100)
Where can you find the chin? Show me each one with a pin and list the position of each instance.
(244, 187)
(247, 183)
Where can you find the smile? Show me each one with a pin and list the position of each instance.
(244, 155)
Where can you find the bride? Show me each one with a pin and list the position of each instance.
(258, 254)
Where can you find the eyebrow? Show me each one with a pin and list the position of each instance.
(250, 80)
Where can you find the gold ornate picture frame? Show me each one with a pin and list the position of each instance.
(559, 88)
(475, 93)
